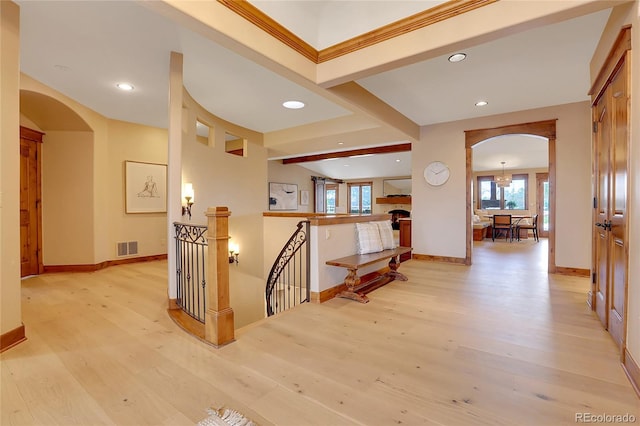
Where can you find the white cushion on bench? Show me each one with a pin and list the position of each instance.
(368, 238)
(386, 234)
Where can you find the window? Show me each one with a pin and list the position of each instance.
(488, 193)
(234, 144)
(360, 197)
(512, 197)
(332, 197)
(203, 133)
(515, 195)
(326, 195)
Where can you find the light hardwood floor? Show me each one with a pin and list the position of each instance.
(498, 343)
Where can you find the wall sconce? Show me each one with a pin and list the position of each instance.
(187, 194)
(234, 251)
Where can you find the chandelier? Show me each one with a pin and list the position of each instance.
(503, 180)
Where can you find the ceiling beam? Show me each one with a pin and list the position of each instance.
(342, 154)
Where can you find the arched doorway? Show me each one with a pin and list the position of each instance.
(65, 180)
(545, 129)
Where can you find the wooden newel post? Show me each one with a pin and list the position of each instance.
(219, 326)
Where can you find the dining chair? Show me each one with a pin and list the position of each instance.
(533, 226)
(502, 222)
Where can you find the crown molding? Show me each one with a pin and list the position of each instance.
(422, 19)
(264, 22)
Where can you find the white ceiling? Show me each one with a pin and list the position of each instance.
(359, 167)
(536, 68)
(83, 48)
(517, 151)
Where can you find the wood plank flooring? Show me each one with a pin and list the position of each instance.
(497, 343)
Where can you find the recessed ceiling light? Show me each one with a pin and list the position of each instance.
(293, 104)
(482, 103)
(340, 143)
(398, 160)
(457, 57)
(124, 86)
(346, 165)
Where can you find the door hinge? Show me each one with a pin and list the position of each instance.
(595, 203)
(595, 127)
(593, 278)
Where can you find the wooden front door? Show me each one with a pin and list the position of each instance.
(30, 194)
(611, 114)
(618, 175)
(601, 216)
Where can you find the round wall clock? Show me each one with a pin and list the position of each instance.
(436, 173)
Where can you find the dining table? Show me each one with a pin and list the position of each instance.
(515, 220)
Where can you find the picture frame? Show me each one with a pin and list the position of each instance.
(283, 196)
(145, 187)
(304, 197)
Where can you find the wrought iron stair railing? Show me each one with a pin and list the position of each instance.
(289, 280)
(191, 258)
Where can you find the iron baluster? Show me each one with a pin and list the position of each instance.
(191, 243)
(285, 274)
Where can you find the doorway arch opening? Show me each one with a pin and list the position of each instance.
(64, 173)
(545, 129)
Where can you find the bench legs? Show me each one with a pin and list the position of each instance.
(393, 273)
(353, 281)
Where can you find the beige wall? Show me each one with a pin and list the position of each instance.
(133, 142)
(292, 173)
(246, 295)
(223, 179)
(441, 211)
(67, 198)
(10, 312)
(621, 16)
(83, 184)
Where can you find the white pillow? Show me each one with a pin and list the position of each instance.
(386, 234)
(368, 238)
(476, 218)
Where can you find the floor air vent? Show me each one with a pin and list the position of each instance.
(127, 248)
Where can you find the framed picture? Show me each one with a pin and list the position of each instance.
(145, 187)
(283, 196)
(304, 197)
